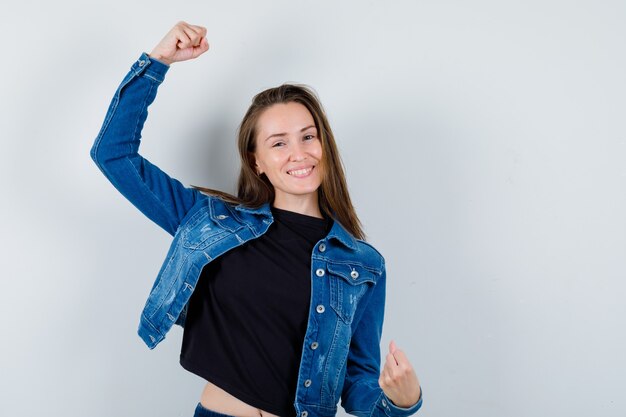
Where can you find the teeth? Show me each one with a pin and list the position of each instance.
(300, 172)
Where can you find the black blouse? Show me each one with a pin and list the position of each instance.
(248, 314)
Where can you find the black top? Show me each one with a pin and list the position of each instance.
(248, 315)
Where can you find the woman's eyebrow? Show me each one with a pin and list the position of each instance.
(285, 133)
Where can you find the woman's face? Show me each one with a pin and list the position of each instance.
(289, 153)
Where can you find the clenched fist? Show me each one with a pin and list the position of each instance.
(182, 42)
(398, 379)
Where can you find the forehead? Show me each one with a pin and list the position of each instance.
(284, 118)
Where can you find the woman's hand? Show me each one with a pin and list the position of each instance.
(398, 379)
(183, 42)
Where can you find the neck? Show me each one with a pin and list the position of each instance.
(307, 204)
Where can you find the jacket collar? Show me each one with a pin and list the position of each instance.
(337, 231)
(263, 210)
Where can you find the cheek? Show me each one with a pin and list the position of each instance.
(321, 161)
(269, 162)
(318, 150)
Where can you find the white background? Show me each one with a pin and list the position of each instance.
(484, 145)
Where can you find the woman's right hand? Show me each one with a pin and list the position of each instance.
(182, 42)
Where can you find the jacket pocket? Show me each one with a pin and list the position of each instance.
(348, 283)
(202, 231)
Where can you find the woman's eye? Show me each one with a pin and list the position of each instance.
(277, 144)
(309, 137)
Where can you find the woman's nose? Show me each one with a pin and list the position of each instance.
(297, 152)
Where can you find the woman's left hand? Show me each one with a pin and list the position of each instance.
(398, 379)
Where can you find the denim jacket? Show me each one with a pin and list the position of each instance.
(341, 351)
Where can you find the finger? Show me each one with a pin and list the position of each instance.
(384, 372)
(184, 26)
(385, 380)
(200, 29)
(195, 33)
(401, 358)
(397, 369)
(194, 36)
(182, 38)
(204, 45)
(391, 358)
(390, 363)
(389, 377)
(392, 346)
(199, 50)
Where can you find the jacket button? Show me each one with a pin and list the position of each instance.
(221, 217)
(314, 345)
(322, 247)
(142, 63)
(307, 383)
(354, 274)
(304, 414)
(320, 272)
(320, 309)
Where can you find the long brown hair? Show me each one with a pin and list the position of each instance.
(255, 190)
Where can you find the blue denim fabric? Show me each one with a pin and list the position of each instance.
(205, 412)
(341, 354)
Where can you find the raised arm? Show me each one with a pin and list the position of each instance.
(115, 151)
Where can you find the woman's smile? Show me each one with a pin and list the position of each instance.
(301, 173)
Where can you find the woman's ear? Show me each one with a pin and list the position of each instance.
(255, 164)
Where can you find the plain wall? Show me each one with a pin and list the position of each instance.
(484, 144)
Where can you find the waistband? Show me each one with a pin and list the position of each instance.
(205, 412)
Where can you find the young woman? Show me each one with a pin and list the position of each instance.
(280, 297)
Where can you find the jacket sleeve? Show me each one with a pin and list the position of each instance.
(362, 395)
(161, 198)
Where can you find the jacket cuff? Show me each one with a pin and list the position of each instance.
(150, 67)
(392, 410)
